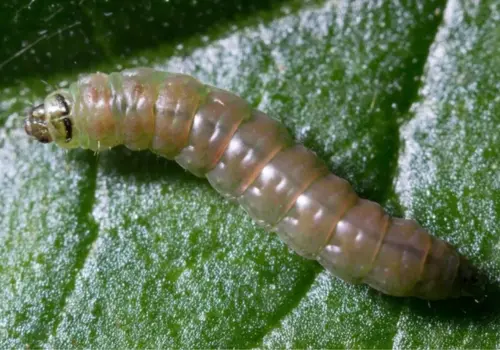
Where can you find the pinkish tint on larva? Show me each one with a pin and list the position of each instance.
(249, 157)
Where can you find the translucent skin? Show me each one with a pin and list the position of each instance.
(286, 188)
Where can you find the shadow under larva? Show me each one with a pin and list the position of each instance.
(252, 159)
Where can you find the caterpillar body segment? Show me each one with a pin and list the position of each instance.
(251, 158)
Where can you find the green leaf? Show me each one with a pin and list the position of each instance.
(125, 249)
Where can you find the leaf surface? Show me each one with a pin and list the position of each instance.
(125, 249)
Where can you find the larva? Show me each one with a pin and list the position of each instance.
(251, 158)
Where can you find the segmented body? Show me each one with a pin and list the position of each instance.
(249, 157)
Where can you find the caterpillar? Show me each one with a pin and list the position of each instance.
(251, 158)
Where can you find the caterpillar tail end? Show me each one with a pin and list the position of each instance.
(36, 124)
(470, 282)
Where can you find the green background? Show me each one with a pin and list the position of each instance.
(125, 249)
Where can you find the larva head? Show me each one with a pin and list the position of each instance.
(52, 121)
